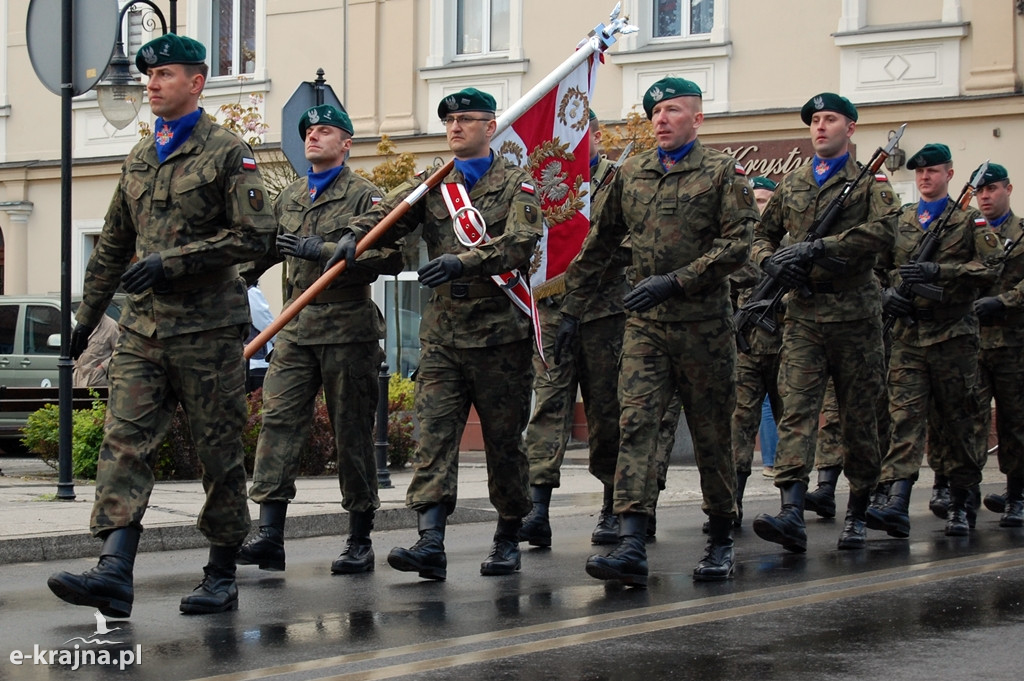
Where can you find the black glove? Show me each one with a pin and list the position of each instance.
(800, 253)
(988, 308)
(895, 305)
(565, 335)
(345, 250)
(652, 290)
(80, 339)
(144, 274)
(919, 272)
(440, 269)
(303, 247)
(788, 275)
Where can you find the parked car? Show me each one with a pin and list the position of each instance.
(30, 347)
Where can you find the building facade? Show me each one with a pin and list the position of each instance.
(950, 69)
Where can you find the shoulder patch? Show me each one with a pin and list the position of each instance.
(740, 170)
(527, 187)
(248, 163)
(375, 200)
(880, 177)
(980, 222)
(991, 241)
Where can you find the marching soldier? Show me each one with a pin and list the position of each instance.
(1001, 361)
(934, 365)
(331, 345)
(190, 207)
(688, 211)
(832, 325)
(476, 343)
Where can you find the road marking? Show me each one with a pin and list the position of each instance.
(808, 593)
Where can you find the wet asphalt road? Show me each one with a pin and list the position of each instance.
(930, 607)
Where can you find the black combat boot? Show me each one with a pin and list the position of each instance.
(786, 528)
(1014, 514)
(358, 554)
(627, 562)
(266, 549)
(956, 521)
(426, 556)
(854, 534)
(973, 504)
(939, 503)
(607, 530)
(504, 556)
(823, 500)
(108, 586)
(741, 487)
(894, 516)
(880, 496)
(218, 591)
(536, 529)
(996, 502)
(716, 563)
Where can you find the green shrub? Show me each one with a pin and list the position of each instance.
(401, 426)
(42, 435)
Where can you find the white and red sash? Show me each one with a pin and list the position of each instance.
(471, 230)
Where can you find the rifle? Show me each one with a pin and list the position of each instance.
(763, 304)
(928, 246)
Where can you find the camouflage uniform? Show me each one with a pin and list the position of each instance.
(836, 331)
(333, 343)
(1001, 361)
(592, 366)
(693, 220)
(934, 364)
(476, 345)
(203, 210)
(757, 373)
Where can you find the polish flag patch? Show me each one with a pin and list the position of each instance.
(375, 200)
(740, 170)
(980, 222)
(248, 163)
(527, 187)
(880, 177)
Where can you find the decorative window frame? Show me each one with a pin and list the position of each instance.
(900, 61)
(445, 73)
(705, 58)
(200, 22)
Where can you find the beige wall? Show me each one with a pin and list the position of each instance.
(769, 58)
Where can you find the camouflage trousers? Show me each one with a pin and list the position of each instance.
(592, 366)
(496, 380)
(756, 375)
(935, 388)
(347, 372)
(697, 360)
(851, 354)
(1002, 379)
(149, 377)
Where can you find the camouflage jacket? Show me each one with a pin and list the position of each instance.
(1008, 329)
(967, 264)
(505, 198)
(864, 227)
(330, 321)
(204, 210)
(693, 220)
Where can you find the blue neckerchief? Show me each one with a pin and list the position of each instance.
(473, 169)
(593, 164)
(927, 211)
(824, 168)
(670, 158)
(998, 221)
(170, 135)
(318, 182)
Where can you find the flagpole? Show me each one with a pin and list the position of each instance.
(598, 40)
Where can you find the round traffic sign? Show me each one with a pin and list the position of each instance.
(94, 29)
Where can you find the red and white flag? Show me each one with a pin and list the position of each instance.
(552, 143)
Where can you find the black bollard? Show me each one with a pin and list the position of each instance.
(381, 443)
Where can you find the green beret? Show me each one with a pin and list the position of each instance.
(325, 114)
(169, 48)
(469, 99)
(669, 88)
(994, 173)
(931, 155)
(828, 101)
(761, 182)
(593, 116)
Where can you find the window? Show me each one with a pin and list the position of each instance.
(681, 18)
(482, 27)
(233, 30)
(41, 322)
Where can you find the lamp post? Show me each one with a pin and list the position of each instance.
(119, 94)
(896, 158)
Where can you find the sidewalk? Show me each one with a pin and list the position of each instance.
(37, 527)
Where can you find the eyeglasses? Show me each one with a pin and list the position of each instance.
(449, 121)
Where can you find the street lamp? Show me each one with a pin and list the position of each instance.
(119, 94)
(897, 157)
